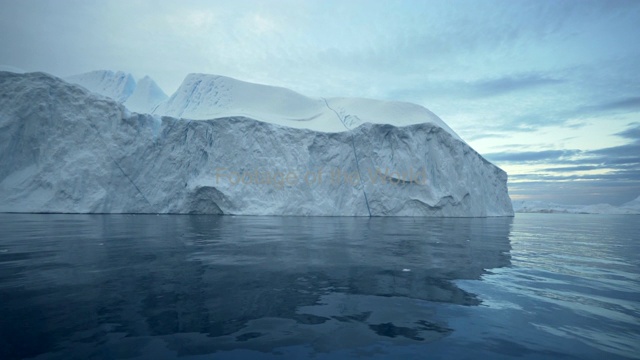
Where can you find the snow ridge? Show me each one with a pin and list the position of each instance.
(146, 96)
(116, 85)
(205, 97)
(141, 97)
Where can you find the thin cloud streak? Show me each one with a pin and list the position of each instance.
(531, 156)
(509, 84)
(630, 104)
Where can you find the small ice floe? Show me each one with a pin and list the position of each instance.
(406, 270)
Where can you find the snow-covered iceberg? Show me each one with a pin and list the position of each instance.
(65, 149)
(116, 85)
(145, 97)
(141, 96)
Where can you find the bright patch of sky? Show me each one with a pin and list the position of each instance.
(510, 77)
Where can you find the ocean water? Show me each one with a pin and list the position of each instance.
(536, 286)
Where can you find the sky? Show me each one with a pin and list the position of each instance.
(549, 90)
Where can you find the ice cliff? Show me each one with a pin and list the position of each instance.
(65, 149)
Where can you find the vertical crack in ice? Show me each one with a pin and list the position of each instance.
(118, 165)
(130, 180)
(353, 145)
(188, 102)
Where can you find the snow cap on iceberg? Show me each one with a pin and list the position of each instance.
(205, 97)
(116, 85)
(146, 96)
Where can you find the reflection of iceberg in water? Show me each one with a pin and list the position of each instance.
(202, 284)
(351, 280)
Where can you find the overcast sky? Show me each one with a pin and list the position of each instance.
(547, 90)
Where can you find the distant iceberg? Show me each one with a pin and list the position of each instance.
(532, 206)
(222, 146)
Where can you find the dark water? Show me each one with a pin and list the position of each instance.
(200, 287)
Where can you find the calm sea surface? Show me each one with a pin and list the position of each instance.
(536, 286)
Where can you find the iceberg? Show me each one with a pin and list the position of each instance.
(141, 96)
(632, 205)
(247, 150)
(116, 85)
(146, 96)
(535, 206)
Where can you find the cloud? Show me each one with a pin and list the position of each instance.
(573, 168)
(612, 157)
(507, 84)
(626, 104)
(612, 173)
(531, 156)
(478, 136)
(622, 154)
(631, 133)
(628, 151)
(476, 89)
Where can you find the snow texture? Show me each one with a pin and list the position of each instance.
(116, 85)
(203, 97)
(531, 206)
(141, 97)
(65, 149)
(146, 96)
